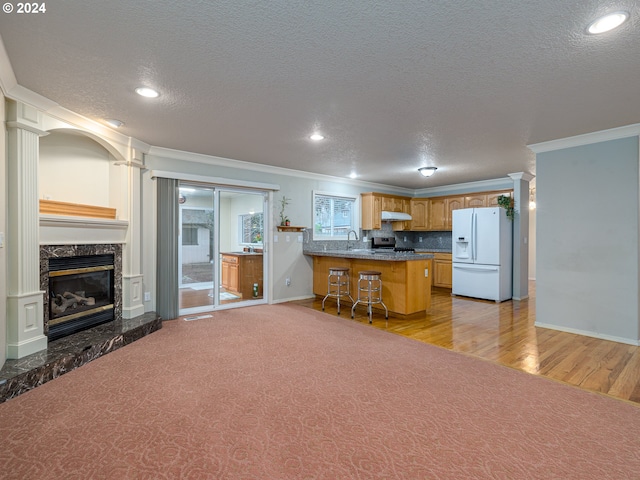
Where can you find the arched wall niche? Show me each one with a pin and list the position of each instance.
(79, 167)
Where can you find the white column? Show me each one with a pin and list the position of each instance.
(521, 235)
(132, 278)
(25, 322)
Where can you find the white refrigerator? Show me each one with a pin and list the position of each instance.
(482, 253)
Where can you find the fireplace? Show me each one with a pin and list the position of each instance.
(80, 293)
(82, 285)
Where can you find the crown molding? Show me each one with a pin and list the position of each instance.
(587, 139)
(468, 187)
(258, 167)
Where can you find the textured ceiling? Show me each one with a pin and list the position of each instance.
(394, 85)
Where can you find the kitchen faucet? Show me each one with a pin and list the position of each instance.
(349, 236)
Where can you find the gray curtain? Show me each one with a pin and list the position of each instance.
(167, 304)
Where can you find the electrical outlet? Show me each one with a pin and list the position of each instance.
(420, 239)
(426, 272)
(1, 239)
(147, 296)
(287, 281)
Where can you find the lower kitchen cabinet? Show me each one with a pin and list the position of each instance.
(240, 271)
(442, 271)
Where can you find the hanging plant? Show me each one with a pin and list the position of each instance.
(509, 205)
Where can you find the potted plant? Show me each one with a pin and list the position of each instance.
(284, 220)
(508, 204)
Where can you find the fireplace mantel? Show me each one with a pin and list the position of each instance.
(62, 230)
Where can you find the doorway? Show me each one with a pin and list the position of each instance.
(222, 261)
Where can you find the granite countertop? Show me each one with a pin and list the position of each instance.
(433, 250)
(369, 254)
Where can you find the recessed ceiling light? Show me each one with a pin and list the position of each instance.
(147, 92)
(316, 137)
(353, 175)
(115, 123)
(427, 171)
(607, 22)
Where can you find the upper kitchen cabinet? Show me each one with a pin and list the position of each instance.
(440, 209)
(475, 201)
(438, 213)
(492, 197)
(371, 211)
(485, 199)
(373, 204)
(454, 203)
(419, 214)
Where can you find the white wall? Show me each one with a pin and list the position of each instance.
(74, 168)
(3, 232)
(587, 239)
(288, 260)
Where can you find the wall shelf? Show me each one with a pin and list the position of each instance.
(289, 228)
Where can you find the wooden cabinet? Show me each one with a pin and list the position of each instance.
(405, 288)
(453, 203)
(405, 205)
(438, 213)
(230, 273)
(374, 203)
(485, 199)
(442, 275)
(371, 211)
(475, 201)
(419, 214)
(433, 214)
(240, 271)
(442, 270)
(492, 197)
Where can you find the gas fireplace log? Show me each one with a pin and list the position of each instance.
(61, 303)
(80, 298)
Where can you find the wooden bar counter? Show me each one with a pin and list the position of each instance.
(405, 288)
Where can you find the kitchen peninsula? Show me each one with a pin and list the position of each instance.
(406, 277)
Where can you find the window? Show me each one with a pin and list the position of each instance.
(251, 227)
(189, 235)
(334, 216)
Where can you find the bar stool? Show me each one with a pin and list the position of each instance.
(370, 292)
(338, 285)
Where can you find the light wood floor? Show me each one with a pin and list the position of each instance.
(505, 333)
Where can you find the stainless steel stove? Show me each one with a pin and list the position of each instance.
(388, 244)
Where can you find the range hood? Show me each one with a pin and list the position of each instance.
(395, 216)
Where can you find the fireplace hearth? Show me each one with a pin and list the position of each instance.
(83, 287)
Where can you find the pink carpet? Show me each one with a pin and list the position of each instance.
(284, 392)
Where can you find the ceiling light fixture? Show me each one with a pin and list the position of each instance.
(316, 137)
(607, 22)
(427, 171)
(147, 92)
(115, 123)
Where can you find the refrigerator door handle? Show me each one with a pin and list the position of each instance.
(474, 236)
(476, 269)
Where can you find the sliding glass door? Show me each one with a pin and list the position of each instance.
(221, 259)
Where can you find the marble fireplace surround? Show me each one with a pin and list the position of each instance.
(61, 251)
(71, 352)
